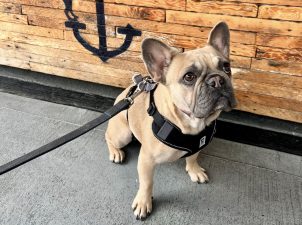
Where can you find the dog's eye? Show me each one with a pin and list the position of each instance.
(226, 67)
(189, 78)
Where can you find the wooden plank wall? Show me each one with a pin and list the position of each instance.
(266, 48)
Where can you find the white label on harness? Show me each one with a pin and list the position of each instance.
(202, 141)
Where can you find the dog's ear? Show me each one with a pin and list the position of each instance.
(219, 38)
(157, 57)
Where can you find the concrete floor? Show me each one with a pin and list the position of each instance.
(77, 184)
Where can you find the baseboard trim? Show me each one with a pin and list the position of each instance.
(235, 126)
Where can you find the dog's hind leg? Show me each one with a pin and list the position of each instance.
(118, 135)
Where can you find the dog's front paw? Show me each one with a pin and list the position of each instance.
(197, 174)
(142, 206)
(116, 155)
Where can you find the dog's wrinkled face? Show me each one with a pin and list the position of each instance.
(199, 81)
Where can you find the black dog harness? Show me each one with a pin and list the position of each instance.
(169, 134)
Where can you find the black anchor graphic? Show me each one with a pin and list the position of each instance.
(102, 51)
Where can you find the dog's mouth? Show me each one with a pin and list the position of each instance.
(222, 103)
(225, 103)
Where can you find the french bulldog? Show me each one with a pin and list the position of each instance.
(194, 87)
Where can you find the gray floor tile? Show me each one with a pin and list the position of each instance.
(76, 183)
(46, 109)
(262, 157)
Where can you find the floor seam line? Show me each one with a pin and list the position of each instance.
(50, 118)
(260, 167)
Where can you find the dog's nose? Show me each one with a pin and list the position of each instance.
(215, 81)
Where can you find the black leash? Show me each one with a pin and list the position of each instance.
(141, 84)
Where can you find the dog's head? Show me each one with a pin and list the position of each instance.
(199, 81)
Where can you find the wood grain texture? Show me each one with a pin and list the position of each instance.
(153, 28)
(34, 30)
(43, 21)
(264, 110)
(44, 12)
(291, 68)
(111, 42)
(91, 28)
(122, 78)
(57, 4)
(266, 40)
(186, 42)
(66, 59)
(280, 12)
(135, 12)
(271, 2)
(236, 23)
(13, 18)
(236, 37)
(19, 63)
(240, 61)
(269, 101)
(279, 54)
(67, 64)
(278, 41)
(226, 8)
(235, 49)
(42, 3)
(267, 89)
(126, 61)
(42, 41)
(120, 62)
(165, 4)
(274, 79)
(84, 6)
(88, 14)
(10, 8)
(251, 86)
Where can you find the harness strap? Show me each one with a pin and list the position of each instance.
(171, 135)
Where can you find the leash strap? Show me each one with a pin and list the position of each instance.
(141, 84)
(120, 106)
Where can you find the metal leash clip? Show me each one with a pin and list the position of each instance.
(145, 84)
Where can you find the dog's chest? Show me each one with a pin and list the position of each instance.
(168, 154)
(195, 125)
